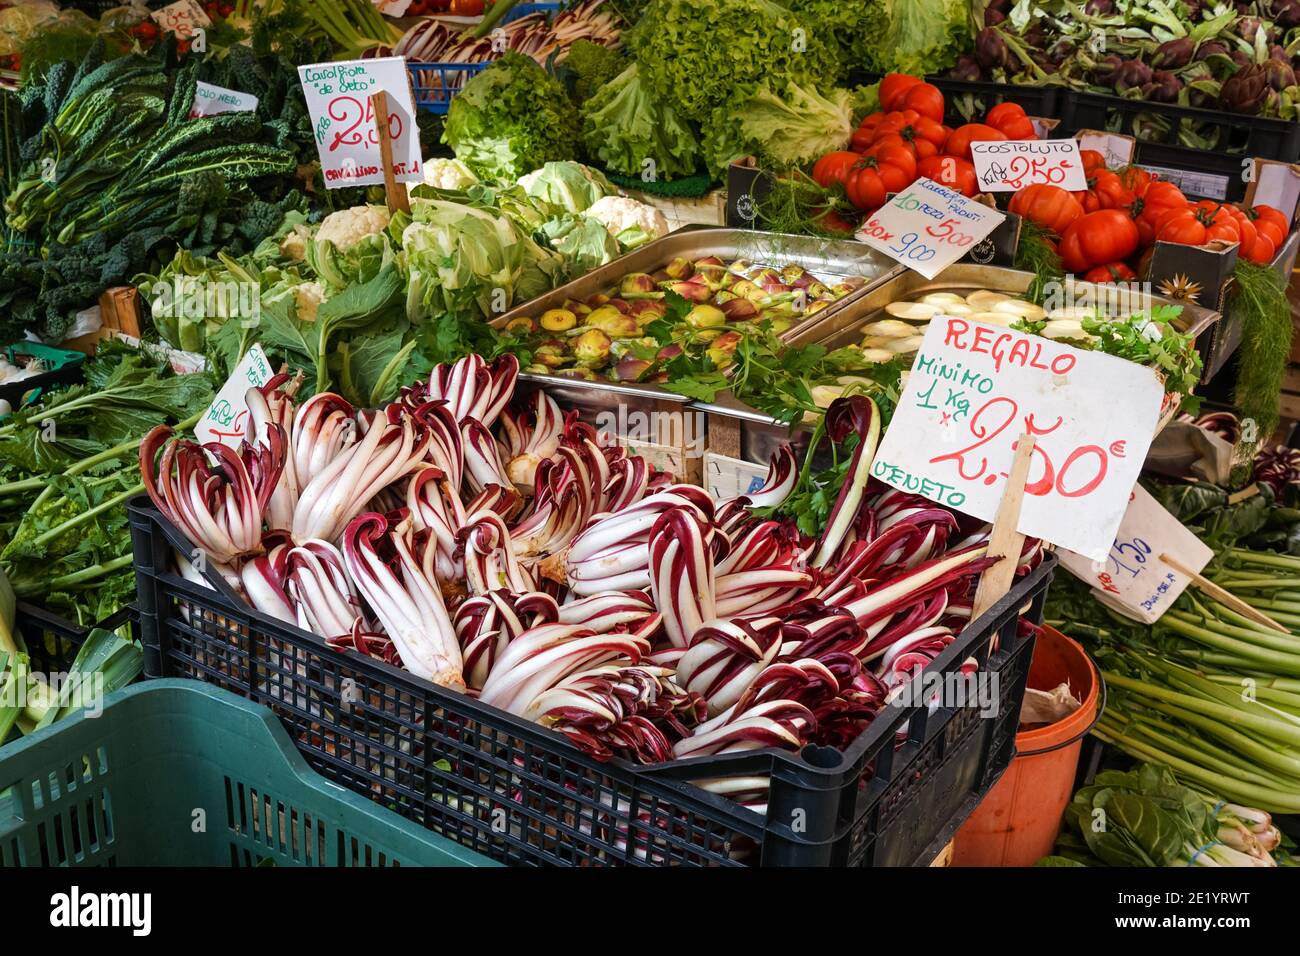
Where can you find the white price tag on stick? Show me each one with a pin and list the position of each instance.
(182, 18)
(927, 227)
(1132, 577)
(1011, 165)
(209, 100)
(225, 418)
(343, 120)
(975, 388)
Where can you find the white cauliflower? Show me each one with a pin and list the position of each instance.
(632, 223)
(347, 227)
(309, 296)
(294, 245)
(448, 174)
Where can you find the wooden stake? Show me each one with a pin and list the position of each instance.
(395, 192)
(1005, 539)
(1226, 598)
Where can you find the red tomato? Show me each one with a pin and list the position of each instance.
(895, 164)
(1050, 206)
(959, 142)
(894, 87)
(1110, 272)
(1107, 235)
(1272, 222)
(1183, 227)
(1105, 191)
(864, 188)
(1091, 160)
(834, 167)
(926, 99)
(1262, 250)
(832, 221)
(1011, 121)
(1158, 198)
(950, 171)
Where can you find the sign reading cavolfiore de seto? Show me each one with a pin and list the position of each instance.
(343, 120)
(975, 388)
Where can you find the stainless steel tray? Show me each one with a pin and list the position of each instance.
(842, 328)
(831, 258)
(760, 435)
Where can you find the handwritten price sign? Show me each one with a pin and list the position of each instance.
(226, 417)
(1131, 577)
(928, 227)
(181, 18)
(1011, 165)
(343, 120)
(975, 388)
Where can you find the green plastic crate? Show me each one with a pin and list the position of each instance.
(178, 773)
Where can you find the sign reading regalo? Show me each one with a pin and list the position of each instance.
(975, 388)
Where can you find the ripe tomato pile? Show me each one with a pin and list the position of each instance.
(1101, 233)
(1104, 230)
(907, 139)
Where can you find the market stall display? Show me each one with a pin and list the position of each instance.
(574, 537)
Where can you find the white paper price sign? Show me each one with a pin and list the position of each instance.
(225, 418)
(1131, 576)
(975, 388)
(726, 477)
(927, 227)
(210, 100)
(181, 18)
(1011, 165)
(343, 120)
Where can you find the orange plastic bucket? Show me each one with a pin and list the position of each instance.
(1017, 823)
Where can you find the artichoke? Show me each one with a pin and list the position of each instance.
(991, 50)
(967, 69)
(1107, 68)
(1280, 74)
(993, 17)
(1132, 74)
(1210, 48)
(1163, 88)
(1174, 54)
(1246, 91)
(1285, 13)
(1099, 8)
(1061, 51)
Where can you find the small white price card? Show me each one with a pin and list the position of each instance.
(1011, 165)
(726, 477)
(343, 120)
(975, 388)
(182, 18)
(1132, 577)
(210, 100)
(927, 227)
(225, 418)
(1116, 148)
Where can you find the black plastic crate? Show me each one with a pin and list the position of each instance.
(519, 793)
(968, 101)
(53, 641)
(1156, 126)
(62, 368)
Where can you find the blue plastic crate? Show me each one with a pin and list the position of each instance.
(434, 84)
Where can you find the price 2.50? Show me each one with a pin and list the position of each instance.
(351, 114)
(1079, 474)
